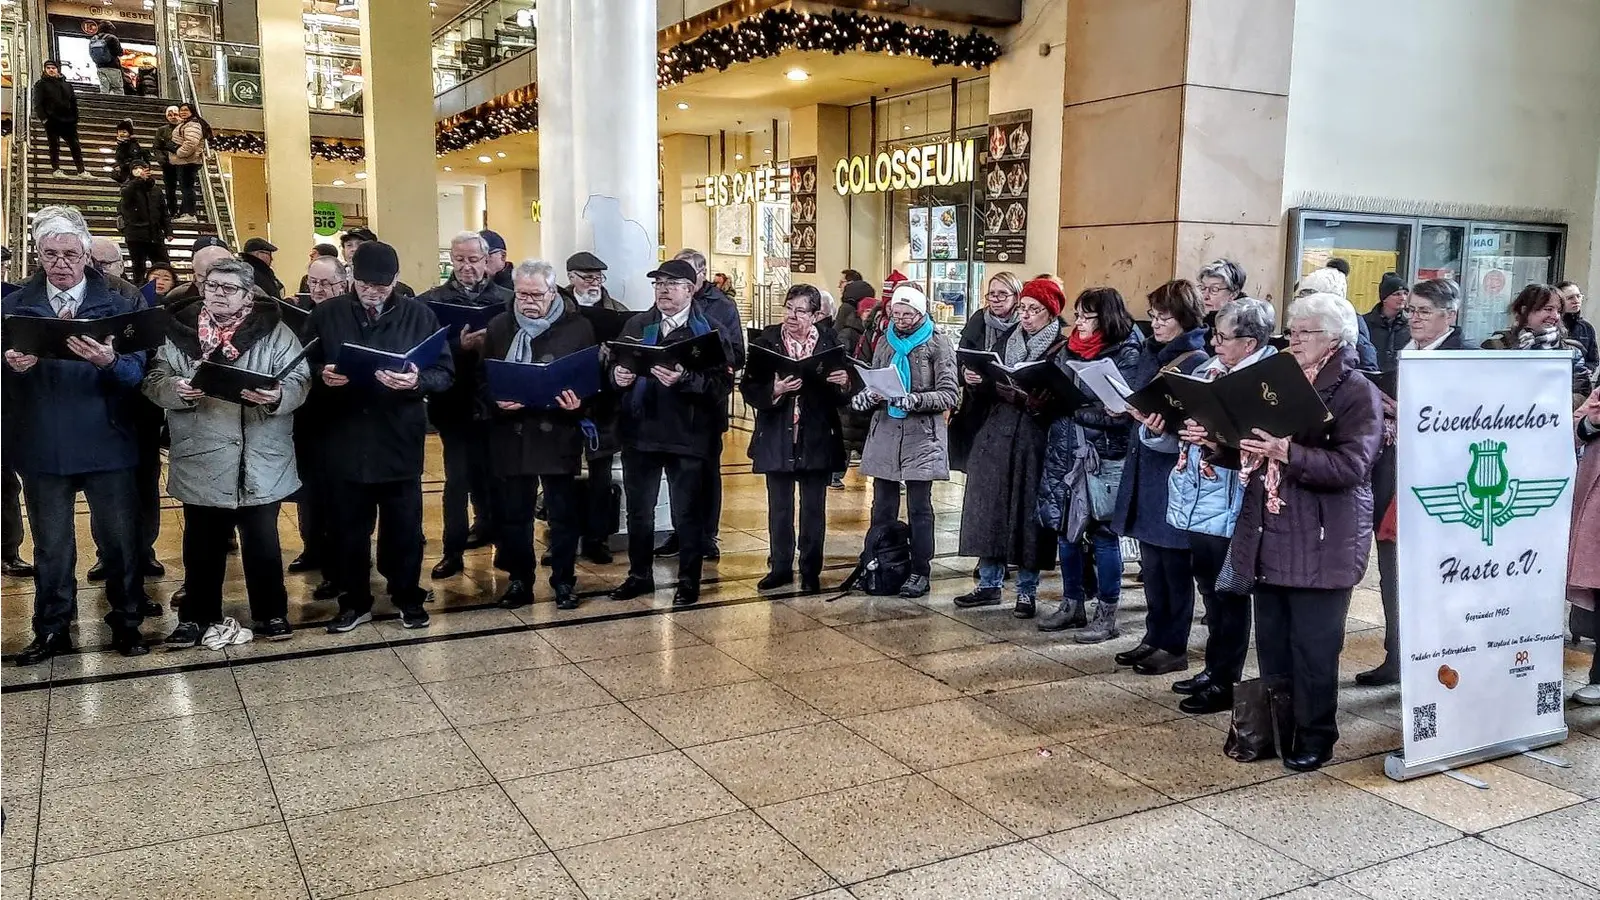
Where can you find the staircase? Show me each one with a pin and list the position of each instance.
(96, 198)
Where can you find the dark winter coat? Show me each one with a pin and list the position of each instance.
(975, 400)
(1110, 434)
(142, 210)
(461, 404)
(162, 145)
(848, 327)
(1322, 537)
(999, 512)
(721, 311)
(536, 441)
(774, 446)
(374, 434)
(688, 418)
(66, 417)
(1388, 336)
(604, 407)
(1142, 497)
(127, 153)
(265, 278)
(54, 101)
(1582, 331)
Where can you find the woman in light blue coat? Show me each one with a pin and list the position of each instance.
(1203, 501)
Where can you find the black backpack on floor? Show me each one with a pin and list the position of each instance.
(885, 561)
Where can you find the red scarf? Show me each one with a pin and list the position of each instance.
(1086, 347)
(214, 333)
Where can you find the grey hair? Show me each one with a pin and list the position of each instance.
(536, 268)
(1323, 281)
(236, 268)
(1229, 271)
(1331, 312)
(829, 305)
(105, 243)
(694, 258)
(340, 270)
(1249, 318)
(1442, 293)
(61, 221)
(471, 237)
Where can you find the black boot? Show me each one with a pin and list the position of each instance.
(979, 597)
(45, 646)
(1070, 614)
(1027, 606)
(1386, 673)
(518, 594)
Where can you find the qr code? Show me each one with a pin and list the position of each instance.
(1549, 697)
(1425, 722)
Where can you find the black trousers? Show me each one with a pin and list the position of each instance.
(11, 522)
(314, 516)
(641, 481)
(395, 509)
(1169, 596)
(466, 477)
(1385, 477)
(813, 488)
(919, 515)
(147, 476)
(595, 496)
(711, 496)
(1299, 635)
(189, 183)
(56, 133)
(143, 253)
(113, 502)
(169, 181)
(1228, 631)
(206, 530)
(517, 496)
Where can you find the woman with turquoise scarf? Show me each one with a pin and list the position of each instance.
(907, 441)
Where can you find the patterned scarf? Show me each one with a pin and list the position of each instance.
(214, 333)
(1023, 347)
(529, 330)
(1272, 476)
(901, 360)
(995, 327)
(1546, 338)
(799, 350)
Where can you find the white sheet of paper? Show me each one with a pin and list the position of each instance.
(1101, 377)
(884, 382)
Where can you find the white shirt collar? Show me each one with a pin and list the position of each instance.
(674, 322)
(1434, 345)
(76, 292)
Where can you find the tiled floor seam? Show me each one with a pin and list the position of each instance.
(283, 820)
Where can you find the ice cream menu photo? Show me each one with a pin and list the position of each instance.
(803, 215)
(1006, 169)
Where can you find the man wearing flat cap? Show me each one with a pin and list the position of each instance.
(258, 256)
(586, 289)
(672, 422)
(500, 268)
(375, 433)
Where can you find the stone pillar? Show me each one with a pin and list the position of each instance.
(824, 132)
(288, 120)
(597, 111)
(509, 198)
(473, 206)
(251, 210)
(401, 203)
(686, 221)
(1173, 136)
(1024, 80)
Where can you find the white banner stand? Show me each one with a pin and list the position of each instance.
(1486, 464)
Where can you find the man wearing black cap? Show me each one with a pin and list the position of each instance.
(1387, 323)
(145, 221)
(56, 105)
(672, 422)
(258, 256)
(375, 434)
(463, 429)
(586, 288)
(500, 268)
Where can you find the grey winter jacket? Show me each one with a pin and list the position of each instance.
(916, 448)
(224, 454)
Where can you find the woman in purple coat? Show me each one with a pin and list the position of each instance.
(1305, 529)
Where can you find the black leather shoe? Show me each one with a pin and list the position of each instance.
(327, 590)
(684, 596)
(1386, 674)
(17, 567)
(1306, 761)
(810, 585)
(97, 572)
(153, 568)
(979, 597)
(478, 537)
(448, 567)
(775, 580)
(129, 642)
(566, 597)
(597, 552)
(1129, 657)
(632, 587)
(1192, 686)
(518, 594)
(1214, 699)
(305, 562)
(43, 647)
(151, 609)
(713, 550)
(178, 596)
(1162, 663)
(669, 547)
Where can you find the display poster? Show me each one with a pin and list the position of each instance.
(919, 232)
(945, 242)
(803, 215)
(1486, 464)
(1006, 168)
(730, 229)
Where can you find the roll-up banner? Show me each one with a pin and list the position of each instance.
(1484, 446)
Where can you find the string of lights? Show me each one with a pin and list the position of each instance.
(256, 144)
(513, 113)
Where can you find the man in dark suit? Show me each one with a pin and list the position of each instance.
(586, 289)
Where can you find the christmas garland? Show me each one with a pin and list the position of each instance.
(256, 144)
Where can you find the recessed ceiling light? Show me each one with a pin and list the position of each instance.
(485, 159)
(905, 127)
(682, 105)
(501, 154)
(738, 156)
(797, 74)
(448, 169)
(361, 176)
(768, 151)
(338, 182)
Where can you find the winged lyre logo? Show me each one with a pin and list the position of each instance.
(1489, 497)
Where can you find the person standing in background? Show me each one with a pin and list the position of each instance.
(189, 156)
(56, 105)
(1578, 328)
(161, 147)
(498, 266)
(1388, 326)
(145, 221)
(327, 278)
(586, 290)
(105, 51)
(257, 254)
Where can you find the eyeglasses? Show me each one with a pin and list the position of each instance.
(324, 284)
(1159, 316)
(1226, 337)
(590, 277)
(1422, 312)
(799, 310)
(224, 289)
(998, 295)
(534, 295)
(672, 282)
(1033, 309)
(1214, 289)
(1084, 316)
(55, 256)
(466, 260)
(1296, 334)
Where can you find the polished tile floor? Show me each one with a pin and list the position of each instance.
(754, 748)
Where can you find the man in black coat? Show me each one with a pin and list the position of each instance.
(326, 279)
(672, 422)
(375, 433)
(499, 267)
(456, 413)
(55, 104)
(530, 446)
(586, 290)
(257, 254)
(1388, 325)
(1577, 326)
(145, 220)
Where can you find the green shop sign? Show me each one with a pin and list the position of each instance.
(326, 218)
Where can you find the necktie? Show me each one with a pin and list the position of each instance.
(65, 307)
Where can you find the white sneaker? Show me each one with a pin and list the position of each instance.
(185, 219)
(57, 173)
(1588, 695)
(86, 175)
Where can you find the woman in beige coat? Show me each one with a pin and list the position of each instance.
(190, 135)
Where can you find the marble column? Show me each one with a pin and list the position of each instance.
(509, 198)
(402, 206)
(597, 138)
(287, 118)
(824, 132)
(1173, 136)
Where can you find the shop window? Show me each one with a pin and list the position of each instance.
(1502, 260)
(1371, 248)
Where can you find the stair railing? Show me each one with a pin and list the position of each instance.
(184, 77)
(16, 164)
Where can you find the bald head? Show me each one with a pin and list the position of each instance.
(205, 258)
(106, 255)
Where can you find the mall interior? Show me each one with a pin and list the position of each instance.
(801, 746)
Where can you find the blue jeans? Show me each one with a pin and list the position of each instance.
(992, 574)
(1107, 562)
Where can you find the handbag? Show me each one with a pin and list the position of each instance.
(1104, 480)
(1263, 720)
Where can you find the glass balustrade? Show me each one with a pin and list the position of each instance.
(480, 38)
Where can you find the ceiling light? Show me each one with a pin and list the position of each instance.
(485, 159)
(905, 127)
(767, 151)
(797, 74)
(361, 176)
(500, 153)
(682, 105)
(338, 182)
(448, 169)
(738, 156)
